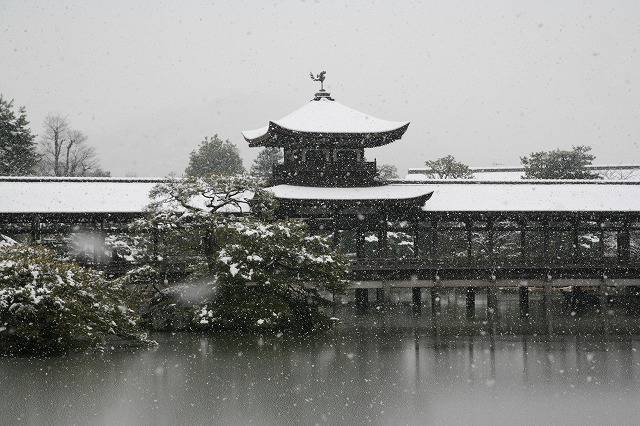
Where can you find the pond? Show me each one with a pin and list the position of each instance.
(378, 367)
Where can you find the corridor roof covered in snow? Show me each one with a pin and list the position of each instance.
(131, 195)
(532, 196)
(75, 195)
(475, 196)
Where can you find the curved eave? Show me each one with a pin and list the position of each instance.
(417, 201)
(393, 196)
(278, 136)
(424, 196)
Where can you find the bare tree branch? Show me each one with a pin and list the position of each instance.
(64, 151)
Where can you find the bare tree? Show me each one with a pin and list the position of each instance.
(64, 151)
(619, 174)
(80, 159)
(52, 141)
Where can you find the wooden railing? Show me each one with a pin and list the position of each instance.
(416, 268)
(417, 263)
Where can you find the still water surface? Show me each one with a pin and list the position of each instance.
(382, 368)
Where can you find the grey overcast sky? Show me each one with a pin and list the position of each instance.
(485, 81)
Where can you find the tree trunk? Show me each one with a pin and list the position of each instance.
(210, 248)
(57, 148)
(66, 165)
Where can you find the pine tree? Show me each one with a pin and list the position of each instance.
(387, 171)
(215, 156)
(270, 277)
(448, 168)
(559, 164)
(50, 306)
(18, 155)
(263, 164)
(268, 274)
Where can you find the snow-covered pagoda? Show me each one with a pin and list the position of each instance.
(324, 143)
(325, 178)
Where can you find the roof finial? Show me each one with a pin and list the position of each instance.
(320, 78)
(322, 94)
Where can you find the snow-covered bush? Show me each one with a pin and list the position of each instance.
(187, 218)
(50, 306)
(141, 282)
(268, 274)
(270, 277)
(6, 241)
(175, 307)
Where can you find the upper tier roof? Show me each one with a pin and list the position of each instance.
(324, 118)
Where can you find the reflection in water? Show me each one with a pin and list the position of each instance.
(391, 367)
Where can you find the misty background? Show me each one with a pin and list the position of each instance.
(486, 82)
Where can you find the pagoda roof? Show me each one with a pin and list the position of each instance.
(328, 119)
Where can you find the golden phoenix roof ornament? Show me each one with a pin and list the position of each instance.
(320, 78)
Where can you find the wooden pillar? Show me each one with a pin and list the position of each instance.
(155, 232)
(469, 243)
(385, 236)
(380, 296)
(603, 296)
(524, 255)
(492, 302)
(492, 307)
(523, 296)
(546, 298)
(362, 298)
(415, 230)
(575, 223)
(546, 306)
(335, 236)
(36, 232)
(416, 299)
(577, 298)
(383, 243)
(624, 244)
(633, 299)
(545, 240)
(601, 246)
(491, 241)
(436, 303)
(98, 242)
(433, 246)
(359, 242)
(471, 302)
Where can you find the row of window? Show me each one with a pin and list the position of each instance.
(324, 155)
(461, 246)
